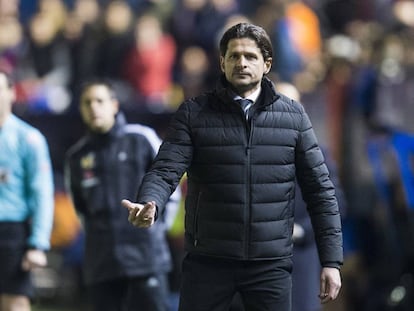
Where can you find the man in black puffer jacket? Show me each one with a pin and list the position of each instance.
(241, 165)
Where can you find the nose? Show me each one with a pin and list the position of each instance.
(91, 106)
(94, 105)
(241, 61)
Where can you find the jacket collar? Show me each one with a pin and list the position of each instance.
(267, 97)
(115, 131)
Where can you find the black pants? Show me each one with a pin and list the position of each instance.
(209, 284)
(13, 280)
(148, 293)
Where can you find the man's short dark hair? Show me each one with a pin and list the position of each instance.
(247, 30)
(99, 81)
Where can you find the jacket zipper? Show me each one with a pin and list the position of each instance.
(196, 219)
(247, 209)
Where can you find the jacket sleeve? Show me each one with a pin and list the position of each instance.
(172, 160)
(171, 208)
(318, 192)
(40, 190)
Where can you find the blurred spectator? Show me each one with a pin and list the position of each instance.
(9, 8)
(114, 37)
(149, 63)
(193, 71)
(82, 33)
(297, 39)
(403, 10)
(117, 39)
(388, 238)
(26, 203)
(11, 43)
(184, 23)
(212, 20)
(192, 17)
(54, 9)
(44, 72)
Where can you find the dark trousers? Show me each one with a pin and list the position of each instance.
(209, 284)
(148, 293)
(13, 279)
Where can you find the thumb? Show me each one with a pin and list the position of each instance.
(128, 205)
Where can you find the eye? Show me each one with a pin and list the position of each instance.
(86, 103)
(251, 57)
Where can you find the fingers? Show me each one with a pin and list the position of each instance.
(34, 259)
(133, 209)
(146, 216)
(148, 212)
(324, 298)
(128, 205)
(330, 284)
(329, 296)
(140, 215)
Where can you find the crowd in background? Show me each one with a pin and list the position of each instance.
(352, 62)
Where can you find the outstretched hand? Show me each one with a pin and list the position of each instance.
(140, 215)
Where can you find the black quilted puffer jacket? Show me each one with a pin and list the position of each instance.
(241, 177)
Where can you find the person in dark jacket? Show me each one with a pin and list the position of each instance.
(126, 267)
(241, 163)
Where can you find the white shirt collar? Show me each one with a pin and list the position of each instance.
(253, 97)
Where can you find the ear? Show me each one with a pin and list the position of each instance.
(267, 65)
(222, 63)
(13, 94)
(115, 103)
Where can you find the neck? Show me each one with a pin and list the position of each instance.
(3, 117)
(246, 92)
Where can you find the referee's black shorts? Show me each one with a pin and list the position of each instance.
(14, 280)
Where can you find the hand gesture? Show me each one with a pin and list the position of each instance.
(140, 215)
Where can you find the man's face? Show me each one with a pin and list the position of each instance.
(98, 108)
(244, 66)
(7, 96)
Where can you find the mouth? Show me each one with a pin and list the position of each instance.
(241, 74)
(95, 118)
